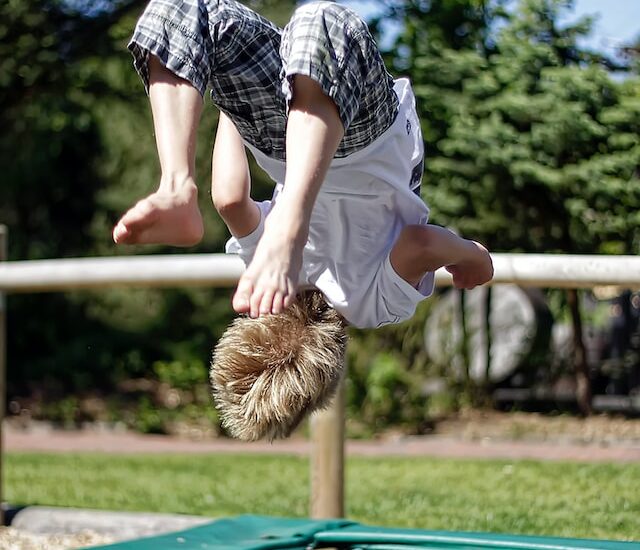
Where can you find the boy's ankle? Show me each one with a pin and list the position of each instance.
(178, 183)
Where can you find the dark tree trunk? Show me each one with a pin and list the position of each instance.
(466, 352)
(488, 335)
(583, 382)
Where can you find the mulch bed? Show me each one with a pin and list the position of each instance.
(13, 539)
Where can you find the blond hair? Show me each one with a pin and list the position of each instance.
(268, 373)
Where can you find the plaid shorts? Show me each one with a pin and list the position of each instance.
(248, 63)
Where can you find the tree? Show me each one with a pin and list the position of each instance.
(439, 43)
(49, 133)
(540, 148)
(437, 47)
(48, 151)
(77, 149)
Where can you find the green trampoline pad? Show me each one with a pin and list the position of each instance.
(267, 533)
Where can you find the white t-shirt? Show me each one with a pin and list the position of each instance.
(363, 204)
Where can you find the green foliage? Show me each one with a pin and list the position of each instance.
(50, 133)
(533, 166)
(176, 400)
(531, 146)
(455, 24)
(149, 418)
(77, 150)
(386, 374)
(181, 375)
(540, 151)
(63, 412)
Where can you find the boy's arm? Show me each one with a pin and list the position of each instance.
(314, 131)
(231, 181)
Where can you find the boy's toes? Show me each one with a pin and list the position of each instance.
(278, 303)
(241, 303)
(267, 303)
(129, 227)
(288, 299)
(120, 233)
(241, 297)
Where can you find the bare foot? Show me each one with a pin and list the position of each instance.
(475, 270)
(270, 282)
(164, 217)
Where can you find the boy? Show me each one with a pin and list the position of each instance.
(316, 107)
(318, 110)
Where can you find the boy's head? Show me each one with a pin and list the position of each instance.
(268, 373)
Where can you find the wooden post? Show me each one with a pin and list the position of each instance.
(327, 458)
(3, 367)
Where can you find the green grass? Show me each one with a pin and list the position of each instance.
(521, 497)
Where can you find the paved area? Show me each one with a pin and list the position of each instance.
(431, 446)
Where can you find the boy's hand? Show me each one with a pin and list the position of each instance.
(270, 282)
(475, 270)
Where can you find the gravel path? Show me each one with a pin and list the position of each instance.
(581, 443)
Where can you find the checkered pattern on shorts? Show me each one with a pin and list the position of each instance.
(249, 64)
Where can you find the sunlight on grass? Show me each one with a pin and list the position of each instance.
(521, 497)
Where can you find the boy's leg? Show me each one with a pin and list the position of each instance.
(231, 181)
(171, 214)
(424, 248)
(217, 43)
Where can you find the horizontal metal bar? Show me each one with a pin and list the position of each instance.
(567, 270)
(222, 270)
(176, 270)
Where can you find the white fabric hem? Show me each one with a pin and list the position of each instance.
(425, 286)
(250, 241)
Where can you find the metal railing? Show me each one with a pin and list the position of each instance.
(221, 270)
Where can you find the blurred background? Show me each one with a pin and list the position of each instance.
(531, 119)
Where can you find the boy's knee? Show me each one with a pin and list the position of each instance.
(227, 201)
(411, 256)
(415, 240)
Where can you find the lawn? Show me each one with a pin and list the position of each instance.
(519, 497)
